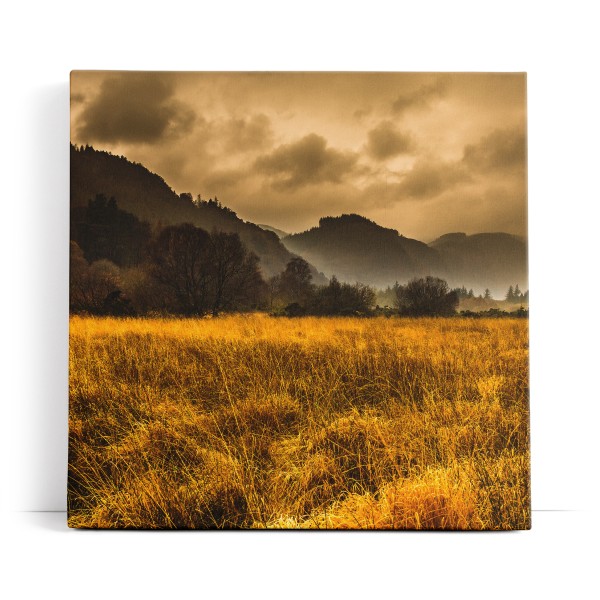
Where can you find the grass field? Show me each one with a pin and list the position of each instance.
(258, 422)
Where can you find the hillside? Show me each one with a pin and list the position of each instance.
(483, 260)
(278, 232)
(350, 246)
(357, 249)
(148, 197)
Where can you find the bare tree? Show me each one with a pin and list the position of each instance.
(296, 282)
(181, 261)
(90, 285)
(236, 276)
(205, 272)
(426, 297)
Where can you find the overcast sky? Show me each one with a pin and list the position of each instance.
(424, 153)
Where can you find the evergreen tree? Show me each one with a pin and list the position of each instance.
(518, 295)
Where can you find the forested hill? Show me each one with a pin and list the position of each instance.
(146, 195)
(491, 260)
(349, 246)
(357, 249)
(278, 232)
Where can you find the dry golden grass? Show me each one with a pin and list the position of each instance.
(253, 422)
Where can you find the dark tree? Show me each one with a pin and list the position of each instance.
(273, 290)
(236, 279)
(487, 295)
(117, 304)
(517, 294)
(363, 297)
(294, 310)
(91, 284)
(461, 292)
(187, 198)
(206, 272)
(181, 260)
(510, 295)
(426, 297)
(144, 291)
(328, 298)
(296, 282)
(343, 299)
(104, 231)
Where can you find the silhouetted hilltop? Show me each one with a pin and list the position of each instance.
(349, 246)
(357, 249)
(147, 196)
(278, 232)
(484, 260)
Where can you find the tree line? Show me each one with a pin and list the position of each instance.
(122, 266)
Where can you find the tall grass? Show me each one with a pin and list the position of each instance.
(254, 422)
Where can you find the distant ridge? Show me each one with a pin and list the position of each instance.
(146, 195)
(491, 260)
(357, 249)
(349, 246)
(278, 232)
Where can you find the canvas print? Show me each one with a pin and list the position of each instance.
(298, 301)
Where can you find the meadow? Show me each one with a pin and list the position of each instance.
(251, 421)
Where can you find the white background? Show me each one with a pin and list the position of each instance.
(554, 42)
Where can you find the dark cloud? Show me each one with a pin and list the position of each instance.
(501, 150)
(233, 150)
(386, 141)
(243, 135)
(307, 161)
(421, 97)
(135, 108)
(428, 179)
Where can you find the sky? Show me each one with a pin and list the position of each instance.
(422, 153)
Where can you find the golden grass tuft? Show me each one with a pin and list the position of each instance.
(249, 421)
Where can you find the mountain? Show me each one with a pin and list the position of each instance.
(349, 246)
(278, 232)
(147, 196)
(483, 260)
(356, 249)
